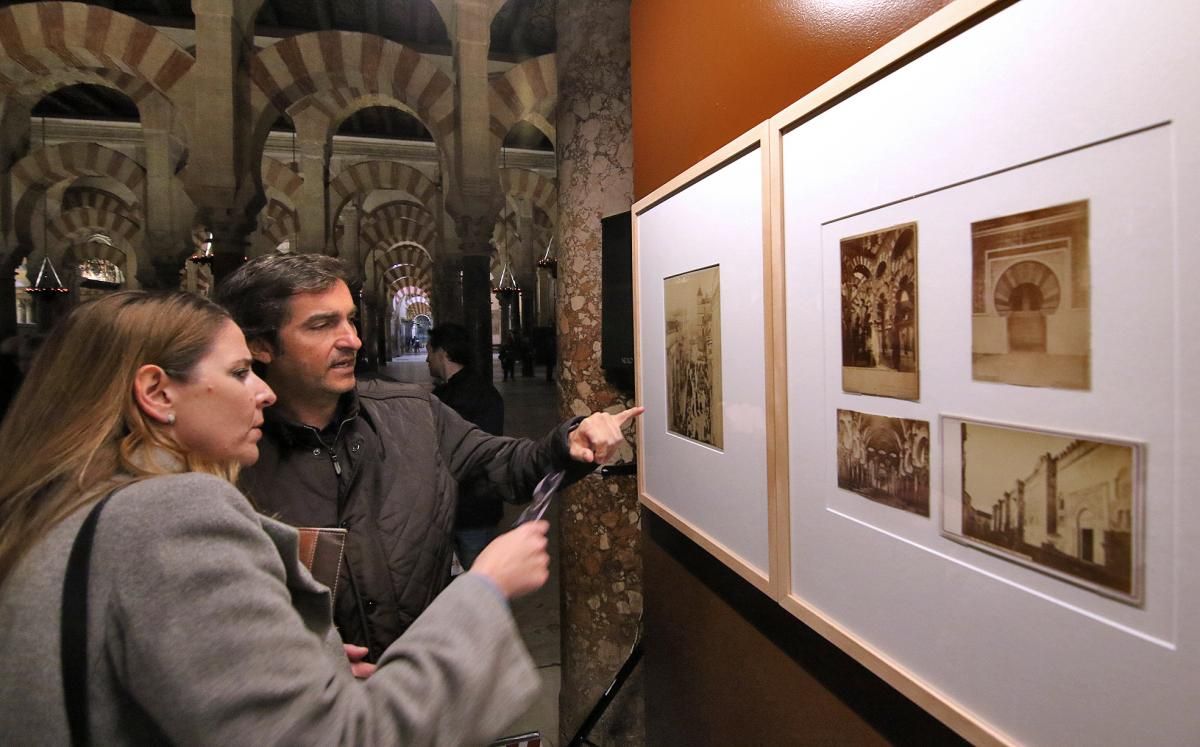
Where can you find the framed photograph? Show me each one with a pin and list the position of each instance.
(879, 313)
(884, 459)
(1053, 253)
(702, 362)
(1067, 505)
(693, 314)
(1031, 298)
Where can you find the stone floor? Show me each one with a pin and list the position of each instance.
(530, 410)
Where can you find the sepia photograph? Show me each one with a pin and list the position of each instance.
(1031, 298)
(879, 313)
(884, 459)
(1064, 505)
(693, 317)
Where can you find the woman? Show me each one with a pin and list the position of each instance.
(202, 626)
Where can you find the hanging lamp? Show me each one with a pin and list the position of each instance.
(507, 288)
(43, 284)
(548, 260)
(506, 292)
(205, 255)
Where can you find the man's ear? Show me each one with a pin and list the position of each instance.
(261, 351)
(154, 393)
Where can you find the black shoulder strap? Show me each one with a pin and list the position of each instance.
(74, 627)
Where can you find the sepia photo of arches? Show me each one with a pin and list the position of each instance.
(693, 320)
(884, 459)
(879, 313)
(1031, 298)
(1065, 505)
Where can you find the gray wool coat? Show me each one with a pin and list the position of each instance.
(205, 629)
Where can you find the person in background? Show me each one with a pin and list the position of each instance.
(474, 397)
(201, 624)
(509, 352)
(380, 459)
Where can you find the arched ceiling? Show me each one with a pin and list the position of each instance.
(520, 30)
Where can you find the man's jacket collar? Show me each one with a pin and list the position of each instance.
(291, 433)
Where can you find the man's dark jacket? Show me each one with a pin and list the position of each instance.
(387, 470)
(477, 401)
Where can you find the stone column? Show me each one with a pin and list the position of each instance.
(447, 298)
(525, 272)
(349, 249)
(545, 297)
(230, 241)
(601, 553)
(508, 314)
(477, 305)
(382, 325)
(473, 197)
(220, 156)
(313, 201)
(162, 158)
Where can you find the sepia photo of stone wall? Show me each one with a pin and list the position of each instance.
(1031, 298)
(1061, 504)
(693, 318)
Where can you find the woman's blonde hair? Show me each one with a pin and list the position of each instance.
(75, 431)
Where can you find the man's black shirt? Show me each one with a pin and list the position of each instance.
(476, 400)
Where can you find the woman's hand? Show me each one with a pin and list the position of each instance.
(516, 561)
(359, 668)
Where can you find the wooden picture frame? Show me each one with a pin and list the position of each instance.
(713, 217)
(1107, 118)
(953, 628)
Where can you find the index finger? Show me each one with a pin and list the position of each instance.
(627, 415)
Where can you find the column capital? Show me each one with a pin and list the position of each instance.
(475, 233)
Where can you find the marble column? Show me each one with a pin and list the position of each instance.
(383, 324)
(477, 305)
(601, 553)
(447, 303)
(349, 248)
(230, 242)
(545, 297)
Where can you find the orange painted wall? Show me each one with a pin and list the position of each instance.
(705, 71)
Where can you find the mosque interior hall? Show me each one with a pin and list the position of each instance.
(459, 157)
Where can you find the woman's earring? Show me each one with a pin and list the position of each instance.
(170, 418)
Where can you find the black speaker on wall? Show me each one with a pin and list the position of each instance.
(616, 299)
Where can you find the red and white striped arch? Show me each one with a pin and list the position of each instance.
(367, 176)
(527, 92)
(324, 67)
(45, 46)
(49, 167)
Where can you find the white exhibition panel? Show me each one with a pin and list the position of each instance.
(716, 220)
(993, 123)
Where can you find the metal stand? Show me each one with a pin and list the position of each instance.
(589, 723)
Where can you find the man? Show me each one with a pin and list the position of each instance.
(382, 460)
(474, 398)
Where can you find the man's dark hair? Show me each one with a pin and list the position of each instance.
(453, 340)
(257, 293)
